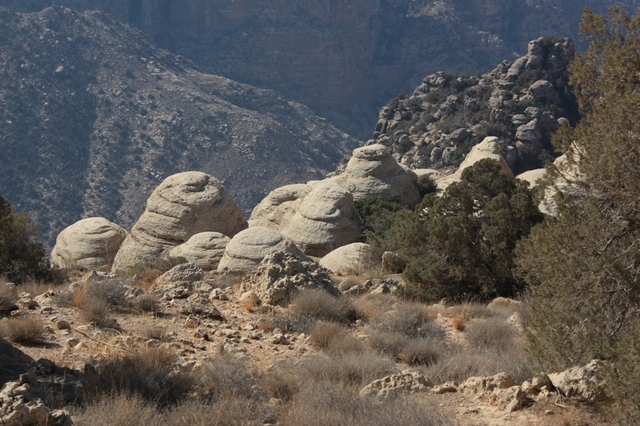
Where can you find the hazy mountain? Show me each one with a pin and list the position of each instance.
(93, 117)
(343, 58)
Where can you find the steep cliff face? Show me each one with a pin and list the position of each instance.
(342, 58)
(92, 118)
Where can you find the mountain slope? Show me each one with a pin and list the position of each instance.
(92, 118)
(343, 58)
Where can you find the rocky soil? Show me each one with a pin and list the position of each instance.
(342, 58)
(93, 117)
(198, 320)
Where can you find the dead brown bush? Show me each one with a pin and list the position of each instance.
(146, 302)
(150, 374)
(329, 404)
(27, 329)
(322, 305)
(372, 306)
(422, 352)
(494, 334)
(353, 369)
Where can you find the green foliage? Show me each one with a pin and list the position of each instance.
(22, 256)
(460, 245)
(623, 377)
(585, 264)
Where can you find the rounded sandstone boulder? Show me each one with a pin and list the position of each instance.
(372, 171)
(204, 249)
(248, 248)
(352, 259)
(90, 243)
(183, 205)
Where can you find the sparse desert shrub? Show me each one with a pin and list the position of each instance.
(433, 331)
(329, 404)
(283, 381)
(110, 291)
(458, 365)
(322, 305)
(494, 334)
(150, 374)
(407, 318)
(231, 411)
(118, 410)
(344, 343)
(24, 329)
(350, 369)
(147, 302)
(372, 306)
(388, 342)
(225, 376)
(322, 333)
(96, 312)
(422, 352)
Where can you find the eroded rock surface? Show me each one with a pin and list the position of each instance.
(90, 243)
(248, 248)
(184, 204)
(280, 275)
(205, 249)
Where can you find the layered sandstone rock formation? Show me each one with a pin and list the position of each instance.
(204, 249)
(246, 250)
(322, 218)
(90, 244)
(184, 204)
(372, 171)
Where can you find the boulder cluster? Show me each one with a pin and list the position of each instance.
(191, 218)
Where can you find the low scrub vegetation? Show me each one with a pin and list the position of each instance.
(28, 329)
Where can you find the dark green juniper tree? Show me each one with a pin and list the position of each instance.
(460, 245)
(584, 265)
(22, 256)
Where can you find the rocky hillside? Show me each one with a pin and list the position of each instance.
(521, 102)
(342, 58)
(93, 117)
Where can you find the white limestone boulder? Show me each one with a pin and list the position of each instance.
(323, 219)
(90, 244)
(275, 205)
(372, 171)
(351, 259)
(205, 249)
(246, 250)
(183, 205)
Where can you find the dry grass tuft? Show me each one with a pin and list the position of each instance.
(371, 306)
(459, 323)
(493, 333)
(147, 302)
(322, 333)
(422, 352)
(470, 310)
(351, 369)
(153, 331)
(322, 305)
(329, 404)
(96, 312)
(27, 329)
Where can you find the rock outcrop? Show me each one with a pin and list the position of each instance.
(248, 248)
(89, 244)
(488, 148)
(184, 204)
(204, 249)
(280, 275)
(352, 259)
(583, 383)
(372, 171)
(521, 103)
(276, 205)
(321, 219)
(396, 384)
